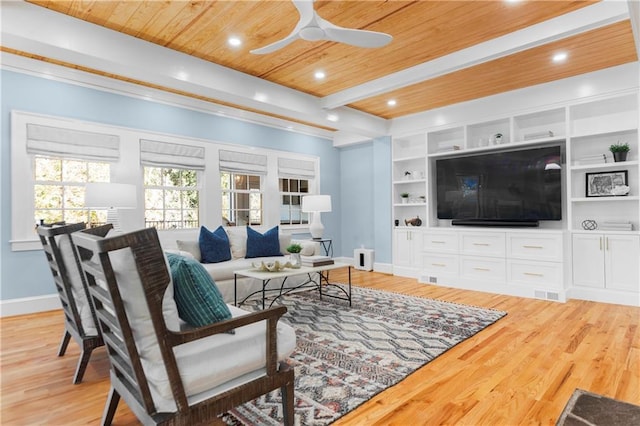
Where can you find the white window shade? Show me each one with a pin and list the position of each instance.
(60, 142)
(171, 155)
(295, 168)
(243, 162)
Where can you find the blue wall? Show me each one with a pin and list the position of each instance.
(25, 274)
(365, 199)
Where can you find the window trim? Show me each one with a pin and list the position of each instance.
(129, 170)
(168, 188)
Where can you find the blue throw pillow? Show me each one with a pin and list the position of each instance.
(214, 246)
(198, 299)
(263, 245)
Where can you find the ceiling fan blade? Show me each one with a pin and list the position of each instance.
(305, 9)
(359, 38)
(277, 45)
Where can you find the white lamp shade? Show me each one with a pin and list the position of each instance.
(316, 203)
(110, 195)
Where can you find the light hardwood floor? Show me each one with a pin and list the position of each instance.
(520, 370)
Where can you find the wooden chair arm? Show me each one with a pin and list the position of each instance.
(181, 337)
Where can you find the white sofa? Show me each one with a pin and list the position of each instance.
(186, 243)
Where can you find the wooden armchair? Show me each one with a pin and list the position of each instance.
(64, 262)
(169, 376)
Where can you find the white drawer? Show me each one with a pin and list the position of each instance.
(483, 243)
(482, 268)
(535, 247)
(440, 263)
(447, 242)
(535, 274)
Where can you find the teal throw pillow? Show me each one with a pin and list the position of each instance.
(198, 299)
(263, 245)
(214, 246)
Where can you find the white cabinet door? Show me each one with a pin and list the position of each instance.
(588, 261)
(402, 253)
(622, 254)
(407, 246)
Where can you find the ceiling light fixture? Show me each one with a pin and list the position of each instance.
(391, 102)
(234, 41)
(332, 117)
(319, 75)
(560, 57)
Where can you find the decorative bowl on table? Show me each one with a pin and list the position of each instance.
(276, 266)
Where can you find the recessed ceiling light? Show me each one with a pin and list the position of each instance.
(260, 97)
(234, 41)
(319, 75)
(332, 117)
(560, 57)
(391, 102)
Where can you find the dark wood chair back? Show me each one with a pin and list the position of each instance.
(79, 316)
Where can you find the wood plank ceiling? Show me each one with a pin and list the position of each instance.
(422, 31)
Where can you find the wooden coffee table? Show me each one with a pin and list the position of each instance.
(317, 278)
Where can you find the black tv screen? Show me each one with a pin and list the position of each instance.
(513, 186)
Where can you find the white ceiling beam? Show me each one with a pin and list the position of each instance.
(40, 31)
(585, 19)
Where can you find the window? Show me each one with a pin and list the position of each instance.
(291, 192)
(241, 199)
(59, 186)
(171, 198)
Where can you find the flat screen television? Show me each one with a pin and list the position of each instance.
(512, 188)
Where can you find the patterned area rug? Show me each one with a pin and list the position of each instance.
(346, 355)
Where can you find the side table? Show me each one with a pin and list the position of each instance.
(327, 245)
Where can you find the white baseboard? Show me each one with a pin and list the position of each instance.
(29, 305)
(385, 268)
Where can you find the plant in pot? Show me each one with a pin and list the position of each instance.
(619, 151)
(405, 197)
(294, 255)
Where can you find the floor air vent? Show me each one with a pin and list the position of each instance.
(428, 280)
(546, 295)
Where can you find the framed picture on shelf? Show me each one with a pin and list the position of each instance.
(605, 184)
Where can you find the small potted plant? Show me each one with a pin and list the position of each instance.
(405, 197)
(619, 151)
(407, 175)
(294, 255)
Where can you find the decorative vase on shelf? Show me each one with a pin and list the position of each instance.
(416, 221)
(620, 156)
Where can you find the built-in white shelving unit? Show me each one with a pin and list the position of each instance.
(409, 177)
(585, 130)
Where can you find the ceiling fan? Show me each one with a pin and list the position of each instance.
(312, 27)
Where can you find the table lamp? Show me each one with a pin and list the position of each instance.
(316, 204)
(112, 196)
